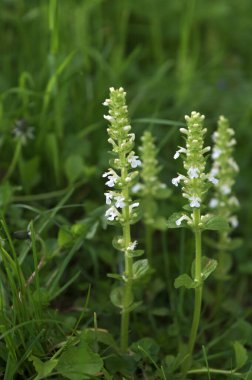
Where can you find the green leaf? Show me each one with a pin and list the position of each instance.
(163, 193)
(136, 253)
(160, 224)
(146, 346)
(241, 355)
(217, 223)
(64, 236)
(43, 368)
(186, 281)
(74, 167)
(53, 154)
(79, 363)
(115, 276)
(6, 191)
(171, 223)
(207, 267)
(140, 269)
(30, 172)
(116, 297)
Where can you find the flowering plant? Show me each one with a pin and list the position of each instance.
(122, 209)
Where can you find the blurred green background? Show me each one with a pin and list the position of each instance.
(58, 59)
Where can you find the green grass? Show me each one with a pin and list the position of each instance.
(58, 59)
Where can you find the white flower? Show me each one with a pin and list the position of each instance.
(216, 153)
(212, 179)
(225, 189)
(134, 161)
(133, 205)
(233, 221)
(127, 128)
(176, 180)
(183, 217)
(177, 154)
(193, 173)
(213, 203)
(108, 198)
(195, 201)
(108, 117)
(233, 164)
(112, 213)
(136, 188)
(112, 177)
(233, 201)
(132, 246)
(119, 201)
(214, 171)
(107, 102)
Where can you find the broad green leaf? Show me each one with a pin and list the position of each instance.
(74, 167)
(116, 297)
(43, 368)
(6, 191)
(241, 355)
(79, 363)
(92, 336)
(140, 268)
(171, 223)
(186, 281)
(146, 346)
(217, 223)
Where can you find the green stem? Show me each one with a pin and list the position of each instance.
(128, 272)
(14, 161)
(214, 370)
(198, 294)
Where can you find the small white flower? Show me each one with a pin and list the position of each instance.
(225, 189)
(183, 130)
(176, 180)
(233, 201)
(136, 188)
(214, 171)
(112, 213)
(108, 117)
(215, 136)
(216, 153)
(193, 173)
(213, 203)
(127, 128)
(108, 198)
(180, 220)
(212, 179)
(233, 164)
(195, 201)
(133, 205)
(177, 154)
(119, 201)
(132, 245)
(233, 221)
(134, 161)
(112, 177)
(106, 102)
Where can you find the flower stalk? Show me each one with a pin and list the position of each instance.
(195, 183)
(122, 210)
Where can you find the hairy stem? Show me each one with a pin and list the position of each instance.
(128, 271)
(198, 295)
